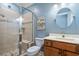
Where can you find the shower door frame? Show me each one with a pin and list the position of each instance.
(33, 29)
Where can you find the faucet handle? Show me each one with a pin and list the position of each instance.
(63, 36)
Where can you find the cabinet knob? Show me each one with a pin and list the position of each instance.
(77, 48)
(59, 52)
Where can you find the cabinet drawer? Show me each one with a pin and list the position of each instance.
(67, 53)
(47, 42)
(65, 46)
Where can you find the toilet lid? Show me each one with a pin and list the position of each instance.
(33, 48)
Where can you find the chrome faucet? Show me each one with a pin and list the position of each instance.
(63, 36)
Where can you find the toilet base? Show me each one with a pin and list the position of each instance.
(32, 51)
(33, 54)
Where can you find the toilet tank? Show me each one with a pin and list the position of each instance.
(39, 41)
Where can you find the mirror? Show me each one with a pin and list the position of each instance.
(64, 18)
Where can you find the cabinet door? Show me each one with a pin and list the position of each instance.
(64, 46)
(48, 43)
(49, 51)
(67, 53)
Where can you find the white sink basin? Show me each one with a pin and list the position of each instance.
(66, 38)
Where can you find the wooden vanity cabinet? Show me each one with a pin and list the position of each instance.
(64, 46)
(52, 51)
(49, 50)
(58, 48)
(48, 43)
(68, 53)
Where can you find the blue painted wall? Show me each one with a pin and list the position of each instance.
(49, 12)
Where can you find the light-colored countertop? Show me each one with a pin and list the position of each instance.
(66, 39)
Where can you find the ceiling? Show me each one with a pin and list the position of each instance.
(25, 5)
(10, 14)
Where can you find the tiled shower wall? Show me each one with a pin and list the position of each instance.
(9, 35)
(27, 34)
(27, 24)
(9, 29)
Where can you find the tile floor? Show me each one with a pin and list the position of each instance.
(41, 53)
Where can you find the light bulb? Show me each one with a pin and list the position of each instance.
(55, 6)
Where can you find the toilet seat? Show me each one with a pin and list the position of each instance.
(33, 49)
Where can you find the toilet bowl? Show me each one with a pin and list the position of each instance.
(31, 51)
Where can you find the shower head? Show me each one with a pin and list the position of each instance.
(2, 17)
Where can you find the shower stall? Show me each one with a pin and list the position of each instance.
(16, 30)
(9, 34)
(26, 32)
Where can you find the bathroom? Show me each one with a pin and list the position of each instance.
(35, 29)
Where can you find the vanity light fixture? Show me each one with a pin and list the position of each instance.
(71, 4)
(55, 6)
(63, 4)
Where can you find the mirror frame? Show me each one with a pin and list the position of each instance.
(67, 21)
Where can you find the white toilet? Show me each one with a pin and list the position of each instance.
(35, 49)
